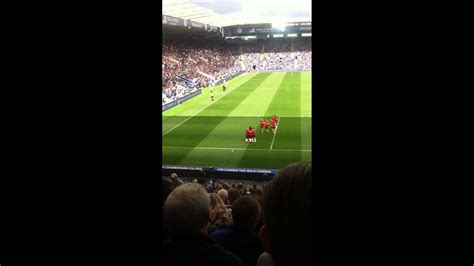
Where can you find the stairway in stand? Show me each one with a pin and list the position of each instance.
(242, 57)
(230, 52)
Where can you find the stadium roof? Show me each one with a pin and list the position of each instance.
(196, 11)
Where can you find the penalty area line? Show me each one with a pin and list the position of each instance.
(279, 120)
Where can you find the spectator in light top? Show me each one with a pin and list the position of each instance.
(220, 216)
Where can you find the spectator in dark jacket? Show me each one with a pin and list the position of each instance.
(186, 215)
(241, 238)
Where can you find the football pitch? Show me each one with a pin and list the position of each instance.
(201, 132)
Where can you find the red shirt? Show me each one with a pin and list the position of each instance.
(266, 124)
(262, 123)
(252, 133)
(247, 133)
(273, 124)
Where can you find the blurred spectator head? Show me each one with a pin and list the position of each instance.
(174, 176)
(234, 194)
(257, 192)
(246, 212)
(186, 210)
(224, 195)
(286, 205)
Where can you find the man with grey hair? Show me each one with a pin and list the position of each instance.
(187, 218)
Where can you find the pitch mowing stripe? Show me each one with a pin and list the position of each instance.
(177, 114)
(288, 101)
(226, 107)
(306, 92)
(198, 111)
(188, 107)
(237, 149)
(258, 101)
(223, 108)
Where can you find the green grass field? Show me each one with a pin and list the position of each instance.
(200, 132)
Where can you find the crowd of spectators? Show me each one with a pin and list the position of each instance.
(279, 54)
(187, 58)
(198, 63)
(216, 224)
(302, 53)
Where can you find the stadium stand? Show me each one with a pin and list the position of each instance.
(192, 64)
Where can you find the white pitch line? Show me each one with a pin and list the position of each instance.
(198, 112)
(271, 146)
(237, 149)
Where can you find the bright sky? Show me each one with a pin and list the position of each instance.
(270, 9)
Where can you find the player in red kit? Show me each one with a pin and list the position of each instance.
(266, 125)
(273, 126)
(262, 125)
(252, 134)
(247, 135)
(275, 119)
